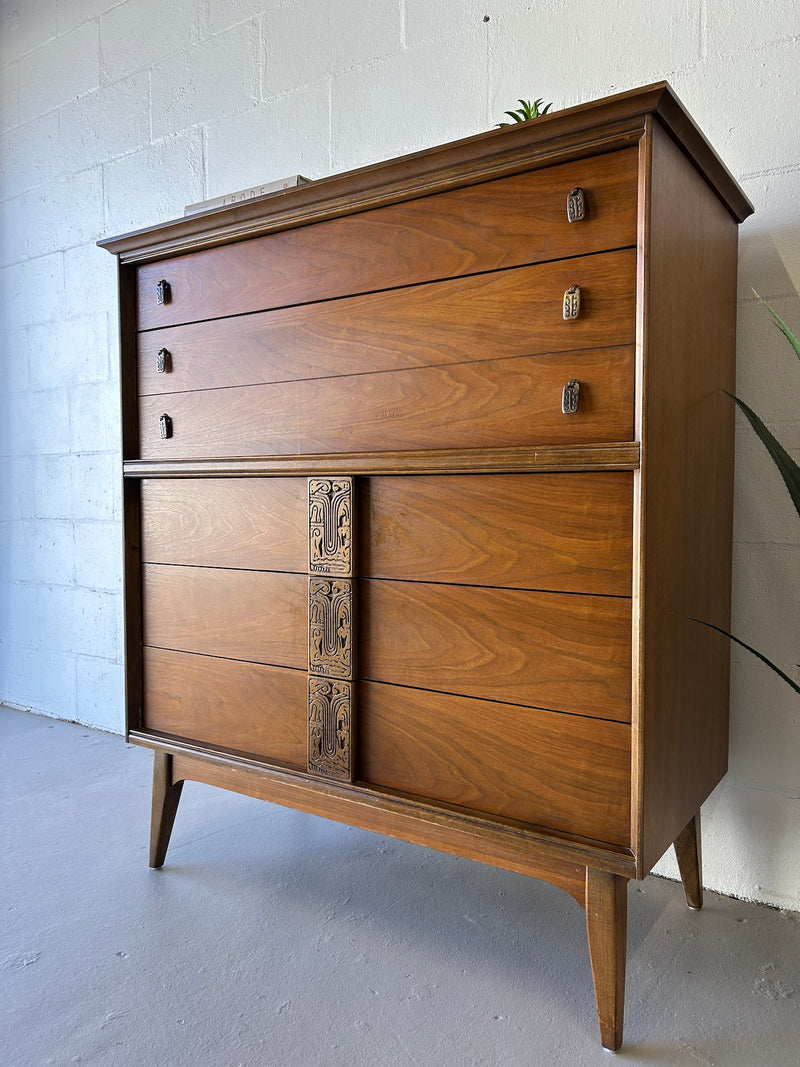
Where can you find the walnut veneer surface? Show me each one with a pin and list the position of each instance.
(375, 571)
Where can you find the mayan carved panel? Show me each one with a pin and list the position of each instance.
(330, 627)
(330, 523)
(331, 644)
(330, 728)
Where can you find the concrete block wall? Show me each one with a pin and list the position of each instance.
(114, 114)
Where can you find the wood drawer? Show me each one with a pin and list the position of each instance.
(247, 615)
(487, 316)
(564, 652)
(243, 523)
(495, 403)
(515, 220)
(563, 772)
(241, 707)
(570, 532)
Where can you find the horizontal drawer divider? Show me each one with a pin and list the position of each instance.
(612, 456)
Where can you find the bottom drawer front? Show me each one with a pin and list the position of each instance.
(240, 707)
(562, 772)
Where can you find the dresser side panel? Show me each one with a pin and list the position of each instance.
(687, 497)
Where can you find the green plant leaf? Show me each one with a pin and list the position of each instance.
(787, 333)
(789, 470)
(527, 111)
(755, 652)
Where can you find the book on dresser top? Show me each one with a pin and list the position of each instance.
(252, 192)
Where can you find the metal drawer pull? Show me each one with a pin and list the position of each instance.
(576, 205)
(162, 292)
(165, 427)
(572, 302)
(571, 397)
(163, 361)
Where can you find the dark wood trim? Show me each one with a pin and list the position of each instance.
(623, 456)
(600, 126)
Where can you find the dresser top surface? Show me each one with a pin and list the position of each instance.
(587, 129)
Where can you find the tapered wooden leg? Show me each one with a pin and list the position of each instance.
(166, 795)
(607, 928)
(690, 862)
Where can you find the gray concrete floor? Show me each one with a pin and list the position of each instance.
(275, 938)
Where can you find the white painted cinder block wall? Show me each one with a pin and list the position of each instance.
(117, 113)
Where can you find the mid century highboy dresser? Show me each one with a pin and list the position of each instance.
(428, 492)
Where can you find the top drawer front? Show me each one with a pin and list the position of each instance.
(511, 221)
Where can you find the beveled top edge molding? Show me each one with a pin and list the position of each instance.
(598, 126)
(612, 456)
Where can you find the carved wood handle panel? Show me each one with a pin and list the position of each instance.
(331, 644)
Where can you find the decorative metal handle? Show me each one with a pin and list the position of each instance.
(163, 361)
(572, 302)
(571, 397)
(576, 205)
(165, 427)
(163, 292)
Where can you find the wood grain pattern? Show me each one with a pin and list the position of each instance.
(250, 523)
(687, 503)
(549, 650)
(246, 615)
(500, 403)
(520, 219)
(569, 532)
(564, 772)
(488, 316)
(236, 707)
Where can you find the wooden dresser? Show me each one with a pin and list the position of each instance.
(428, 481)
